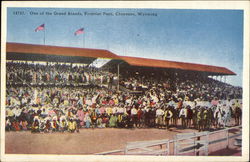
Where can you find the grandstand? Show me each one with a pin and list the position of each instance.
(19, 51)
(107, 60)
(58, 89)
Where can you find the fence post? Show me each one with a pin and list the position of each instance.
(198, 152)
(175, 147)
(194, 145)
(227, 138)
(126, 149)
(168, 149)
(207, 144)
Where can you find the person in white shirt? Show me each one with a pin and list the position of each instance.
(88, 101)
(134, 116)
(159, 117)
(114, 109)
(183, 116)
(17, 112)
(120, 110)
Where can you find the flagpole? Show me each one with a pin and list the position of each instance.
(108, 39)
(83, 40)
(44, 34)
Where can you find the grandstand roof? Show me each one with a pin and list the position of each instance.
(136, 61)
(20, 48)
(48, 53)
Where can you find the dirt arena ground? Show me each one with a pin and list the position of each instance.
(88, 141)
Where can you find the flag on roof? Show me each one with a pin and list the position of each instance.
(41, 27)
(79, 31)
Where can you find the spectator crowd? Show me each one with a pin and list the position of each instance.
(54, 74)
(179, 101)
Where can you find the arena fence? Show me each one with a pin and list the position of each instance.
(225, 138)
(157, 147)
(192, 144)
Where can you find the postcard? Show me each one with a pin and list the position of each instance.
(125, 81)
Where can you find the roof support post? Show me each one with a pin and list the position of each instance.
(118, 77)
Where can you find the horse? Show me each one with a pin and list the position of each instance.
(237, 115)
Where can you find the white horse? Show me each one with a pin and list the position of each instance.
(228, 115)
(218, 116)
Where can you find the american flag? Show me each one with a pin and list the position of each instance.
(41, 27)
(79, 31)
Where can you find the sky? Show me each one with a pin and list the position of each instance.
(212, 37)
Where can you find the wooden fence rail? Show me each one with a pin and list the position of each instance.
(183, 143)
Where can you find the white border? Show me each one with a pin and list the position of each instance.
(243, 5)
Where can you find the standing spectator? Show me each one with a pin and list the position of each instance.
(134, 116)
(167, 116)
(80, 115)
(159, 117)
(183, 116)
(140, 117)
(113, 121)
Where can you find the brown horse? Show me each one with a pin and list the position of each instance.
(237, 115)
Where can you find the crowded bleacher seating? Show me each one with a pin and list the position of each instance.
(61, 97)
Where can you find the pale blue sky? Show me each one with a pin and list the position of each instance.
(213, 37)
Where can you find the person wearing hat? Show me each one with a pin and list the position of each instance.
(63, 123)
(80, 115)
(180, 103)
(175, 117)
(228, 115)
(99, 122)
(183, 116)
(9, 112)
(77, 123)
(8, 126)
(139, 117)
(120, 120)
(167, 116)
(102, 109)
(147, 116)
(194, 117)
(237, 112)
(24, 124)
(205, 118)
(87, 120)
(44, 113)
(105, 121)
(109, 110)
(47, 124)
(189, 116)
(42, 125)
(134, 116)
(199, 118)
(159, 117)
(113, 121)
(35, 126)
(54, 124)
(71, 125)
